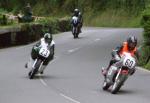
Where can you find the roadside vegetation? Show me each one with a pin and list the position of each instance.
(145, 47)
(115, 13)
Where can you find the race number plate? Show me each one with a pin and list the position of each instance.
(44, 52)
(129, 62)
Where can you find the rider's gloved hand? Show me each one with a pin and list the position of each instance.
(117, 58)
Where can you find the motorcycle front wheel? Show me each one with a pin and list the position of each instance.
(118, 83)
(116, 86)
(35, 69)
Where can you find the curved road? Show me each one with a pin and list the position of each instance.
(74, 75)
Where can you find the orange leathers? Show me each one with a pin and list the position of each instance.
(126, 49)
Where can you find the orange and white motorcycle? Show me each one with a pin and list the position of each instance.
(119, 72)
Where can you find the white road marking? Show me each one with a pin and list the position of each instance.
(66, 97)
(69, 98)
(73, 50)
(97, 39)
(43, 82)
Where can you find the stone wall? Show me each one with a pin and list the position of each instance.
(29, 32)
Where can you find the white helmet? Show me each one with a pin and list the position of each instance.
(48, 37)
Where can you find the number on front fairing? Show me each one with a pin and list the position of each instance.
(75, 19)
(129, 62)
(44, 52)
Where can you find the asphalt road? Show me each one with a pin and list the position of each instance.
(74, 75)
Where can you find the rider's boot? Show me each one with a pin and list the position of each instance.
(42, 69)
(105, 70)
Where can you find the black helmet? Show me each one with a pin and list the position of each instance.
(48, 38)
(132, 42)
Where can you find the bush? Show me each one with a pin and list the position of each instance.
(148, 65)
(24, 33)
(147, 32)
(64, 24)
(33, 31)
(55, 25)
(145, 49)
(144, 55)
(3, 20)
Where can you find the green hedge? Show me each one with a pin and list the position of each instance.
(35, 30)
(145, 49)
(148, 65)
(146, 34)
(144, 55)
(55, 25)
(3, 20)
(29, 32)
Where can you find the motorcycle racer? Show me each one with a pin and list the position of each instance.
(128, 46)
(46, 41)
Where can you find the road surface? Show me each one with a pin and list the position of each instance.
(74, 75)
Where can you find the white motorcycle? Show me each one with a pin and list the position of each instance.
(75, 26)
(43, 54)
(119, 72)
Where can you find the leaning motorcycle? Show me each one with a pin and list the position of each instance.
(119, 72)
(75, 26)
(43, 54)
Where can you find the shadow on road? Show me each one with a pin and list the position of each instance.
(127, 92)
(121, 92)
